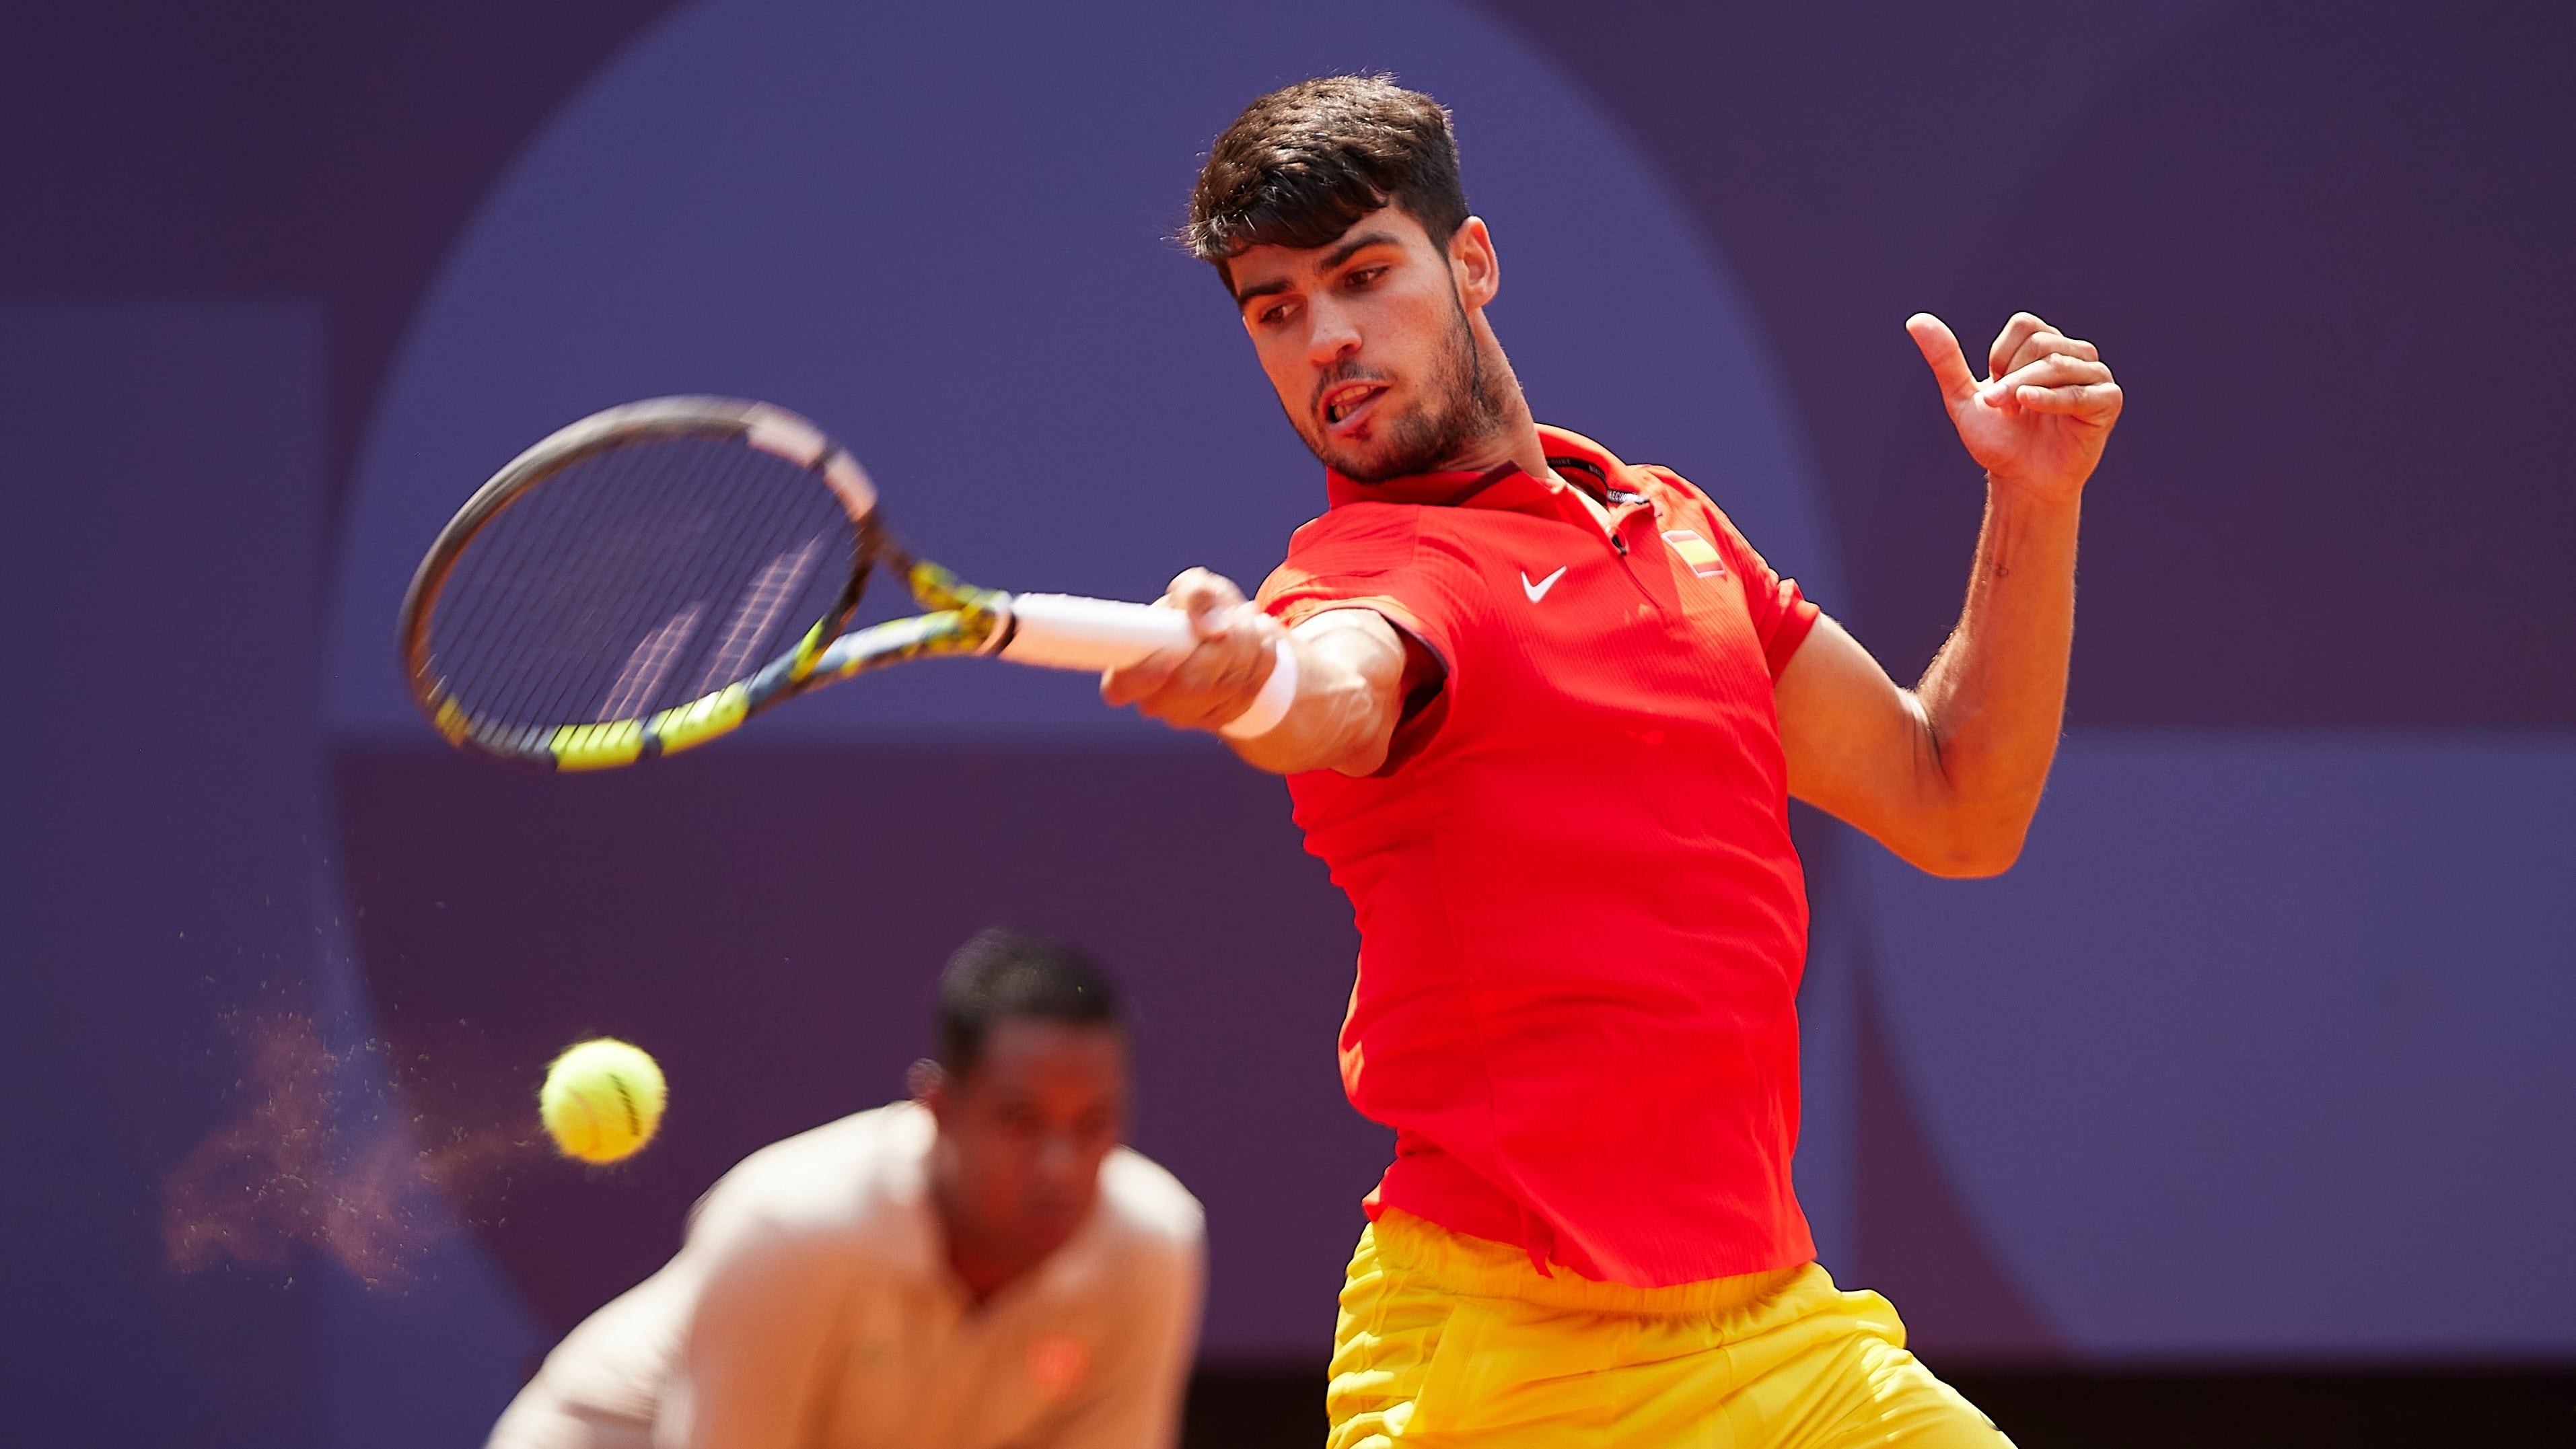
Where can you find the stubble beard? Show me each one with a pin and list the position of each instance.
(1460, 409)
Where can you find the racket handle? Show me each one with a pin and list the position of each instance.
(1061, 631)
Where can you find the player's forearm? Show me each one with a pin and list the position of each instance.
(1994, 699)
(1345, 708)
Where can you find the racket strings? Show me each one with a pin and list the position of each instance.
(659, 657)
(488, 611)
(665, 610)
(749, 629)
(530, 612)
(637, 579)
(550, 565)
(737, 639)
(648, 665)
(466, 611)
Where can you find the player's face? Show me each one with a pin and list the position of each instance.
(1027, 1128)
(1368, 345)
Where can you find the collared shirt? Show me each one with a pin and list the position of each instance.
(1581, 919)
(813, 1308)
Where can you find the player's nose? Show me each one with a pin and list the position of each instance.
(1333, 333)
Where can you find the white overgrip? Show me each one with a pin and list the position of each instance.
(1063, 631)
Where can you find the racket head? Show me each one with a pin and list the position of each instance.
(639, 582)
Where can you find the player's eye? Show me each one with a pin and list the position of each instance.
(1364, 277)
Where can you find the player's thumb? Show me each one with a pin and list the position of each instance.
(1940, 349)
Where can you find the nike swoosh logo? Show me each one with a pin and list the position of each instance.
(1538, 591)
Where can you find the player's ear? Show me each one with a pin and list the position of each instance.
(1473, 262)
(928, 1082)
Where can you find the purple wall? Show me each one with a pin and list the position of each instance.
(2266, 1021)
(165, 823)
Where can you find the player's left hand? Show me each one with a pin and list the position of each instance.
(2041, 415)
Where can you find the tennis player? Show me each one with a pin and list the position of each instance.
(1542, 711)
(980, 1267)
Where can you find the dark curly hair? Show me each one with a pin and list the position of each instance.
(1305, 161)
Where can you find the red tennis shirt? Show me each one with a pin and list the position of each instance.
(1581, 919)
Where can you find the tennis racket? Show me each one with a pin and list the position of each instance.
(653, 576)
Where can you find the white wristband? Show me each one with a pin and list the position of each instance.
(1271, 705)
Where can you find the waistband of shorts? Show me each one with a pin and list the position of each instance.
(1473, 1267)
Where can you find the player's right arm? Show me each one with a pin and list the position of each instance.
(1350, 679)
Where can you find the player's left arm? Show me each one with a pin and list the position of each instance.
(1948, 773)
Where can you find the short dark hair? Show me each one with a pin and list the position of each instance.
(1305, 161)
(1003, 973)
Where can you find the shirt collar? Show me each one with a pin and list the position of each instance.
(1502, 486)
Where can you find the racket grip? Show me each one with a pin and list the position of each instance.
(1061, 631)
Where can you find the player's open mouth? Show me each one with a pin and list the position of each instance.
(1347, 402)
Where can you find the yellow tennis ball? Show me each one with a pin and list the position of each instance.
(601, 1101)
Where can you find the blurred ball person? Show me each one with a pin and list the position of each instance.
(981, 1266)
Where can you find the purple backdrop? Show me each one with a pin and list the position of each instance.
(2266, 1023)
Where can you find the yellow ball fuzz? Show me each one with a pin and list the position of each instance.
(601, 1101)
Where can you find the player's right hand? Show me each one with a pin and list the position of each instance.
(1213, 682)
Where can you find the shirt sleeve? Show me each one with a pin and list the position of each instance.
(1369, 556)
(750, 1366)
(1782, 616)
(1365, 556)
(1137, 1403)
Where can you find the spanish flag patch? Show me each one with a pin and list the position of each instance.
(1696, 551)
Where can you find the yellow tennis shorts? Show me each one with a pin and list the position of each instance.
(1448, 1341)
